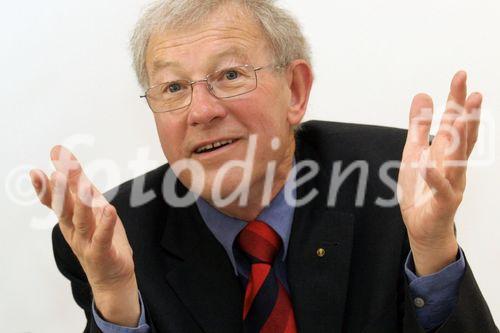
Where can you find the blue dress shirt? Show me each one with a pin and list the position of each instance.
(107, 327)
(434, 295)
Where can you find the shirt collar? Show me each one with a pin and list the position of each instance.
(278, 215)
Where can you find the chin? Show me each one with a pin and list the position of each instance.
(231, 183)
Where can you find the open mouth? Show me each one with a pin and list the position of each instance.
(214, 146)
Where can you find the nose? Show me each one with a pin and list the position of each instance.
(205, 107)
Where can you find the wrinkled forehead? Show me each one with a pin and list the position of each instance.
(224, 37)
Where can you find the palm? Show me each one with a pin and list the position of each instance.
(430, 183)
(115, 263)
(97, 239)
(419, 206)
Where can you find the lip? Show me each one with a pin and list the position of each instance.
(214, 152)
(208, 141)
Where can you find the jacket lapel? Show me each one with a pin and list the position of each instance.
(204, 278)
(319, 254)
(319, 283)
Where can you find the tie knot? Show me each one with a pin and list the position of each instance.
(259, 241)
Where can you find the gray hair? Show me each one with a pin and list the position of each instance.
(281, 29)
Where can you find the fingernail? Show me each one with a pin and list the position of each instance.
(479, 95)
(462, 74)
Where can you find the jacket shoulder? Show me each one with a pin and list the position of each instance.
(353, 141)
(139, 188)
(140, 204)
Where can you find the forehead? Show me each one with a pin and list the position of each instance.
(224, 35)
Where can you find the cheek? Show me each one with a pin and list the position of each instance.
(263, 113)
(267, 119)
(170, 134)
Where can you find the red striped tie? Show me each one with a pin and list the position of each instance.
(267, 307)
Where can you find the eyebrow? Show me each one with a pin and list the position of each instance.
(235, 52)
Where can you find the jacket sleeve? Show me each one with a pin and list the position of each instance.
(68, 265)
(470, 314)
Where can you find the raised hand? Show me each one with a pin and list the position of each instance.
(93, 230)
(432, 177)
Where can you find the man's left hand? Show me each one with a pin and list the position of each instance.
(431, 179)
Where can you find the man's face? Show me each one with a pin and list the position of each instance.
(194, 53)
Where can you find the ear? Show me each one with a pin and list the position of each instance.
(299, 77)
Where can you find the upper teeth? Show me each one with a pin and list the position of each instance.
(213, 145)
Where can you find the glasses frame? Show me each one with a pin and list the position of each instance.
(209, 86)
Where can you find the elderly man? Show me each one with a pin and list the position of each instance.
(258, 224)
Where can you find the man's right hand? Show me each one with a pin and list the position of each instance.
(95, 233)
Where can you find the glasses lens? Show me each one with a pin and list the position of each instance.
(225, 83)
(233, 81)
(169, 96)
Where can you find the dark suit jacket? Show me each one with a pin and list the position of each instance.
(188, 284)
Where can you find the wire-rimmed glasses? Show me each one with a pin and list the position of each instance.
(226, 83)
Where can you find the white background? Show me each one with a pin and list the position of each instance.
(66, 77)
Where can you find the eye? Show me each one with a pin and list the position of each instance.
(173, 87)
(232, 74)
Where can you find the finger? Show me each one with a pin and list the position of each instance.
(83, 217)
(454, 104)
(420, 120)
(458, 88)
(434, 179)
(103, 236)
(65, 162)
(455, 162)
(42, 187)
(88, 196)
(442, 191)
(62, 202)
(473, 109)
